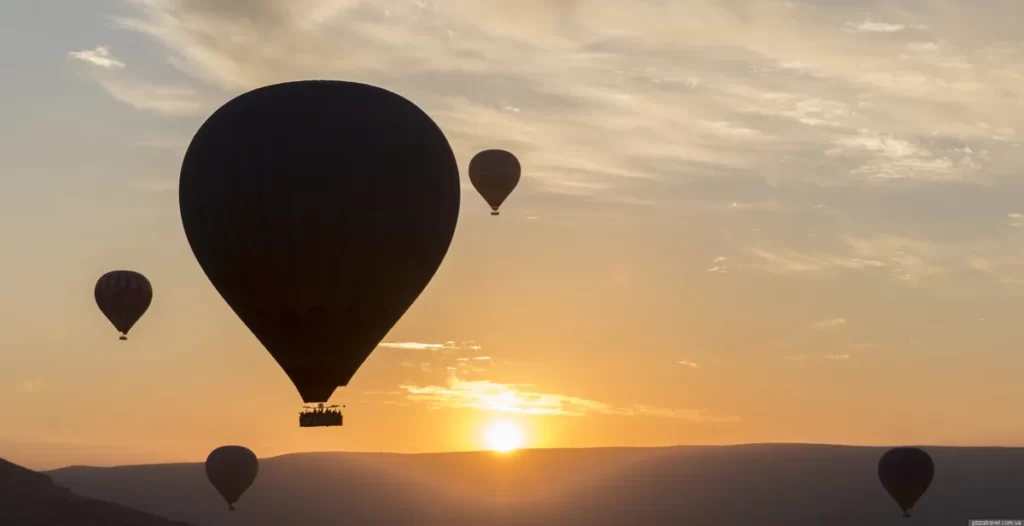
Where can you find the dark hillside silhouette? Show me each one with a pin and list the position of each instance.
(28, 498)
(768, 484)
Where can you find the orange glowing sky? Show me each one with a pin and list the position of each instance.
(738, 222)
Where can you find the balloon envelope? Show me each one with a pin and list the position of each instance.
(320, 210)
(231, 470)
(906, 473)
(494, 174)
(123, 296)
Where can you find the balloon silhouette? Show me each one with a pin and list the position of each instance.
(319, 210)
(231, 470)
(494, 174)
(123, 296)
(906, 473)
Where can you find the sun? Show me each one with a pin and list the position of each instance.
(504, 437)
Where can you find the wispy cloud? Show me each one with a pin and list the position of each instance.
(788, 88)
(718, 265)
(830, 324)
(837, 357)
(913, 260)
(419, 346)
(909, 259)
(868, 26)
(789, 261)
(413, 346)
(169, 101)
(1016, 219)
(508, 398)
(99, 56)
(688, 364)
(763, 205)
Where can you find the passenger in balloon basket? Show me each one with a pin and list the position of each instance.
(320, 415)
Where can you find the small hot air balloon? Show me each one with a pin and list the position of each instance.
(231, 470)
(906, 473)
(123, 296)
(494, 174)
(319, 210)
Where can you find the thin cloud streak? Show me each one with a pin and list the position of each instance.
(419, 346)
(412, 346)
(99, 56)
(830, 324)
(167, 101)
(868, 26)
(484, 395)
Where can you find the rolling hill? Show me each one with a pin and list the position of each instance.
(767, 484)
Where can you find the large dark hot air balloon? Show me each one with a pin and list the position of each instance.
(123, 296)
(319, 210)
(906, 473)
(231, 470)
(494, 174)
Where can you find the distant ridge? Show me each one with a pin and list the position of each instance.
(732, 485)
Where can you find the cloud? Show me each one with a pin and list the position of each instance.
(604, 103)
(168, 101)
(868, 26)
(913, 260)
(688, 364)
(412, 346)
(99, 56)
(165, 100)
(1016, 219)
(788, 261)
(718, 266)
(508, 398)
(763, 206)
(419, 346)
(794, 357)
(829, 324)
(837, 357)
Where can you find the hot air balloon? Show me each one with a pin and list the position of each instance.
(319, 210)
(906, 473)
(231, 470)
(123, 296)
(494, 174)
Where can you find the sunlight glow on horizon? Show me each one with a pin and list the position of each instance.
(504, 437)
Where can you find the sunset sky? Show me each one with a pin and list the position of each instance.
(739, 221)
